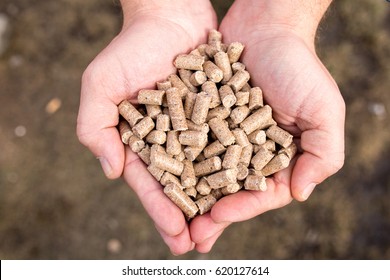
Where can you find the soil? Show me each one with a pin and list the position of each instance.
(55, 202)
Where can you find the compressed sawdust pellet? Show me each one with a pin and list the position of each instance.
(205, 132)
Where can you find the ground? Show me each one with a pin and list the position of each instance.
(55, 202)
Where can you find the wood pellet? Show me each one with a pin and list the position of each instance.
(205, 132)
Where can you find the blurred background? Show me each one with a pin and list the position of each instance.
(55, 202)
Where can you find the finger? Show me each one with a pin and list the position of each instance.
(208, 244)
(178, 244)
(166, 215)
(203, 227)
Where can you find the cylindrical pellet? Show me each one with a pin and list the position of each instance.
(181, 199)
(179, 84)
(236, 66)
(150, 96)
(185, 76)
(278, 163)
(255, 183)
(205, 203)
(156, 172)
(221, 59)
(136, 144)
(239, 114)
(204, 127)
(156, 137)
(246, 155)
(164, 85)
(166, 163)
(241, 137)
(173, 145)
(192, 138)
(239, 79)
(221, 131)
(230, 189)
(214, 38)
(220, 112)
(144, 154)
(232, 157)
(188, 178)
(234, 51)
(180, 157)
(153, 110)
(191, 192)
(262, 157)
(176, 110)
(222, 178)
(211, 88)
(270, 145)
(143, 128)
(279, 135)
(192, 152)
(208, 166)
(214, 149)
(260, 119)
(227, 96)
(189, 62)
(255, 98)
(163, 122)
(213, 72)
(170, 178)
(203, 187)
(198, 78)
(201, 108)
(290, 151)
(129, 112)
(189, 104)
(242, 98)
(125, 131)
(257, 137)
(243, 171)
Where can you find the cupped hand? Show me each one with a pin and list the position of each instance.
(152, 35)
(306, 102)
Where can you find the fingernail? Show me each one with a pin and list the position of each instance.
(107, 169)
(308, 190)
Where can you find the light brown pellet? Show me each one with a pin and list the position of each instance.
(211, 88)
(239, 79)
(129, 112)
(185, 77)
(236, 66)
(217, 193)
(173, 145)
(221, 59)
(221, 131)
(176, 110)
(170, 178)
(260, 119)
(222, 178)
(181, 199)
(156, 137)
(156, 172)
(179, 84)
(255, 98)
(192, 138)
(136, 144)
(213, 72)
(241, 137)
(232, 156)
(255, 183)
(180, 157)
(239, 114)
(163, 122)
(143, 128)
(227, 96)
(201, 108)
(191, 192)
(205, 203)
(211, 51)
(189, 62)
(214, 149)
(214, 38)
(220, 112)
(278, 163)
(246, 155)
(150, 96)
(207, 166)
(203, 187)
(166, 163)
(189, 104)
(290, 151)
(243, 171)
(153, 110)
(234, 51)
(192, 152)
(279, 135)
(242, 98)
(230, 189)
(144, 154)
(198, 78)
(125, 131)
(188, 178)
(257, 137)
(270, 145)
(164, 85)
(204, 127)
(262, 158)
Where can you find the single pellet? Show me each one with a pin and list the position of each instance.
(144, 154)
(205, 203)
(246, 87)
(204, 127)
(191, 192)
(163, 122)
(156, 137)
(241, 137)
(221, 59)
(125, 131)
(156, 148)
(211, 88)
(150, 96)
(222, 178)
(185, 76)
(243, 171)
(278, 163)
(192, 138)
(213, 72)
(239, 79)
(192, 152)
(279, 135)
(170, 178)
(239, 114)
(202, 49)
(129, 112)
(255, 98)
(153, 111)
(189, 104)
(166, 163)
(214, 149)
(189, 62)
(261, 158)
(255, 183)
(260, 119)
(179, 84)
(201, 108)
(188, 178)
(230, 189)
(136, 144)
(227, 96)
(270, 145)
(143, 128)
(181, 199)
(173, 145)
(203, 187)
(164, 85)
(217, 193)
(211, 51)
(236, 66)
(242, 98)
(176, 110)
(180, 157)
(234, 51)
(156, 172)
(246, 155)
(257, 137)
(198, 78)
(207, 166)
(214, 38)
(221, 131)
(290, 151)
(232, 156)
(220, 112)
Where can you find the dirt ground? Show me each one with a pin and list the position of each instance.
(55, 202)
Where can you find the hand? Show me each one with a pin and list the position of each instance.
(153, 34)
(305, 100)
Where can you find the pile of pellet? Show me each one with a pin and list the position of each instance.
(205, 132)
